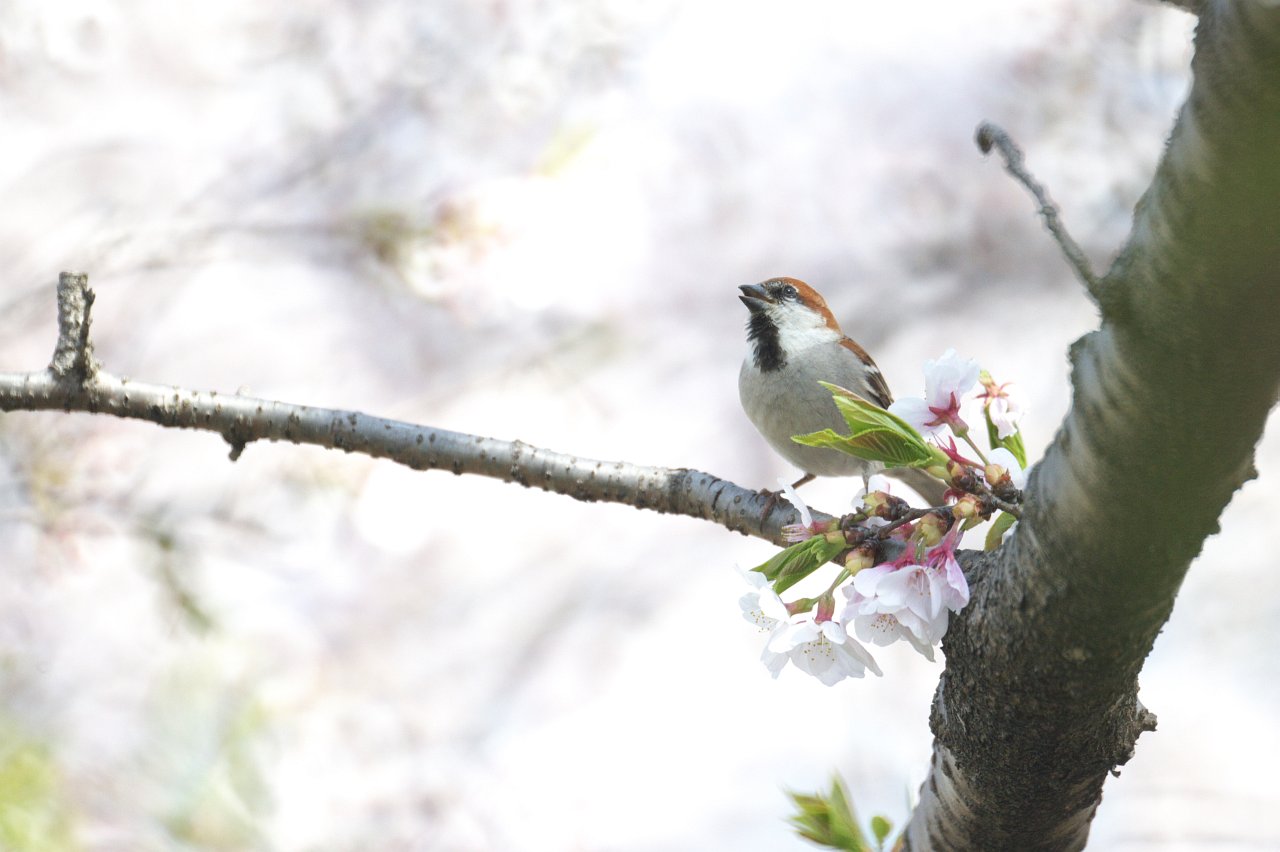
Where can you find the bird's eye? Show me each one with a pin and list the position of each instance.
(789, 292)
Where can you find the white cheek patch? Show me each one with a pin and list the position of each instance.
(800, 328)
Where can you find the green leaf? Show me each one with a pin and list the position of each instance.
(785, 561)
(998, 528)
(788, 567)
(1013, 443)
(874, 433)
(829, 821)
(881, 446)
(861, 414)
(880, 828)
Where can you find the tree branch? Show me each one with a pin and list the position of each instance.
(74, 382)
(989, 136)
(1039, 699)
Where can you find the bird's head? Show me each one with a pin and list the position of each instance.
(787, 316)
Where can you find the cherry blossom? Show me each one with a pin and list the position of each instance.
(822, 649)
(946, 382)
(908, 600)
(949, 581)
(1004, 408)
(889, 588)
(884, 618)
(763, 608)
(883, 628)
(815, 644)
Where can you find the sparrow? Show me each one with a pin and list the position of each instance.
(794, 342)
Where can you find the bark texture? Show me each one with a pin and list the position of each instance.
(1039, 698)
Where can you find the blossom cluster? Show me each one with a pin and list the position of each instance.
(901, 578)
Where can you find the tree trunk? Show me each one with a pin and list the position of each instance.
(1039, 698)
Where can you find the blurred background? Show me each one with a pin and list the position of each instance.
(529, 220)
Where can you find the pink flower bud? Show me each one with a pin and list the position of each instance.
(799, 606)
(826, 609)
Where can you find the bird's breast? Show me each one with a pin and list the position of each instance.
(790, 401)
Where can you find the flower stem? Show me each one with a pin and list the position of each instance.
(840, 578)
(975, 447)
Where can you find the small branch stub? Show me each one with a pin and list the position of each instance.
(237, 445)
(992, 136)
(73, 355)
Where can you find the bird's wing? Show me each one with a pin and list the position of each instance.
(875, 379)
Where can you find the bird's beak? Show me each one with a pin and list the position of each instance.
(755, 297)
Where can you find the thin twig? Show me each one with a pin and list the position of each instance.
(999, 502)
(910, 516)
(989, 136)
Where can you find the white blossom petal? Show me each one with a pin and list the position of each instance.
(910, 587)
(876, 482)
(1005, 410)
(924, 633)
(775, 663)
(950, 587)
(866, 580)
(791, 636)
(793, 497)
(762, 606)
(949, 375)
(860, 656)
(880, 628)
(916, 412)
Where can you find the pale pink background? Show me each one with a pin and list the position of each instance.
(529, 220)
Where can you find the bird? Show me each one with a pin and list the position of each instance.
(794, 342)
